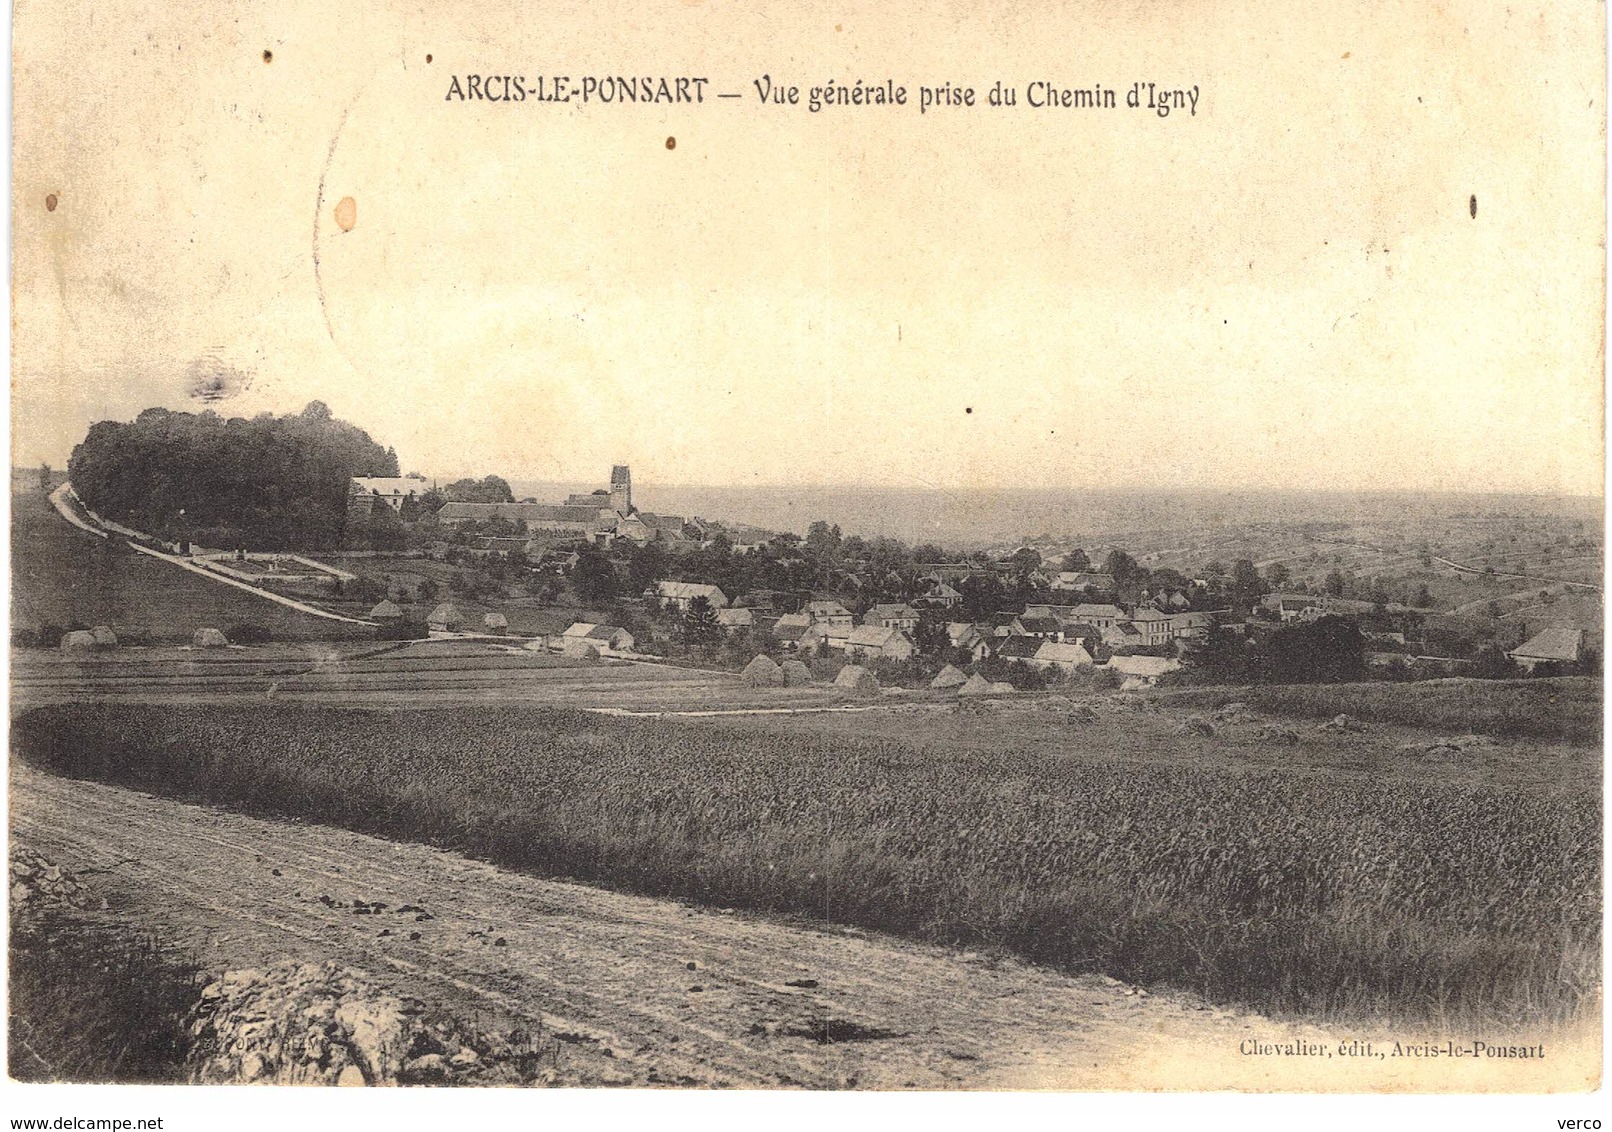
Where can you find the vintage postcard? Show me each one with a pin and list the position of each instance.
(1035, 546)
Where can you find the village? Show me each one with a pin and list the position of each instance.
(863, 613)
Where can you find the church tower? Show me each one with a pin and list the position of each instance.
(621, 489)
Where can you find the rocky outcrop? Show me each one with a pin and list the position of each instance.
(35, 881)
(325, 1024)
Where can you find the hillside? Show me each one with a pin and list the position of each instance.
(61, 576)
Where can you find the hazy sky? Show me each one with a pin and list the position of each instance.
(1286, 290)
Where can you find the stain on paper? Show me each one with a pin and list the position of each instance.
(346, 213)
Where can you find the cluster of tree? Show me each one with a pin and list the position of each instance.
(488, 489)
(264, 483)
(1326, 650)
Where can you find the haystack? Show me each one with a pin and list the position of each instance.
(975, 685)
(386, 611)
(1003, 688)
(796, 674)
(495, 623)
(209, 639)
(78, 639)
(578, 649)
(762, 673)
(855, 678)
(445, 618)
(950, 677)
(104, 637)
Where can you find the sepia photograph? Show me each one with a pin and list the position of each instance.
(966, 549)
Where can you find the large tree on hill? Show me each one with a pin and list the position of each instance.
(488, 489)
(266, 483)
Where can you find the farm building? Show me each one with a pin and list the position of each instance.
(577, 648)
(1141, 671)
(445, 619)
(825, 635)
(1018, 648)
(876, 642)
(386, 611)
(789, 628)
(735, 619)
(796, 674)
(679, 595)
(1556, 645)
(1154, 626)
(855, 678)
(533, 518)
(1047, 628)
(941, 596)
(897, 616)
(365, 493)
(1062, 656)
(1100, 615)
(949, 677)
(495, 623)
(1081, 580)
(965, 635)
(826, 612)
(762, 673)
(602, 636)
(1122, 635)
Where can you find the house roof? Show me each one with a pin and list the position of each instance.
(1088, 610)
(517, 513)
(1081, 631)
(1019, 648)
(586, 630)
(1039, 625)
(874, 636)
(824, 607)
(1149, 614)
(942, 590)
(1555, 643)
(739, 616)
(791, 631)
(1065, 653)
(1143, 665)
(896, 609)
(688, 590)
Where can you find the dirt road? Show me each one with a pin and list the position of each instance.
(640, 991)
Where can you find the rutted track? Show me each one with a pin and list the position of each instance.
(643, 991)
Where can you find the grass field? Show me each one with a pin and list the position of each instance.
(90, 1002)
(61, 575)
(1564, 708)
(1332, 895)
